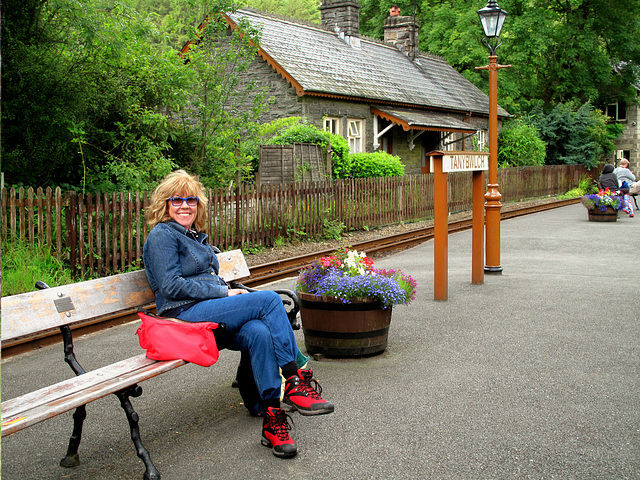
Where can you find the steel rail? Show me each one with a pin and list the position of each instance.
(281, 269)
(286, 268)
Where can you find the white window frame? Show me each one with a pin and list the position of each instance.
(448, 137)
(481, 140)
(331, 125)
(620, 154)
(619, 108)
(355, 135)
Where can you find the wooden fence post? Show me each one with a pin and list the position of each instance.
(72, 231)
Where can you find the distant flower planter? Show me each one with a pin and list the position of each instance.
(609, 214)
(603, 206)
(334, 328)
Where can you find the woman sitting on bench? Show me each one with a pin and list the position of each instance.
(182, 270)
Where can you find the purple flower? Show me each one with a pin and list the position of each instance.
(389, 287)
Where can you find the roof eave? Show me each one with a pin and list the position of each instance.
(406, 126)
(390, 102)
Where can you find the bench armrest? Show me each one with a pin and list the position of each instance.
(291, 303)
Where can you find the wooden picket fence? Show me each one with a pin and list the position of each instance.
(100, 234)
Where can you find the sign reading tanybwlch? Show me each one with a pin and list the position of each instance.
(463, 161)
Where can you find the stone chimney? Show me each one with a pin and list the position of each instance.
(402, 32)
(341, 16)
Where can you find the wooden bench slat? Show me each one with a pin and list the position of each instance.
(38, 311)
(34, 407)
(35, 312)
(73, 384)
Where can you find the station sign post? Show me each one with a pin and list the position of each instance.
(442, 163)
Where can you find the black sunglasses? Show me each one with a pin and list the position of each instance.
(178, 201)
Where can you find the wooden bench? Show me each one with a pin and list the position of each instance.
(63, 307)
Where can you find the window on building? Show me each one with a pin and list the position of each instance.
(354, 135)
(480, 141)
(617, 111)
(331, 125)
(620, 154)
(447, 141)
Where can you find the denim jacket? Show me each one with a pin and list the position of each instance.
(179, 268)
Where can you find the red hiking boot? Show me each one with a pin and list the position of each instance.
(275, 433)
(302, 392)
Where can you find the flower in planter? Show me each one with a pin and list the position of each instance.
(603, 199)
(349, 276)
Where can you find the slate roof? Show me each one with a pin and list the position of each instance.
(319, 62)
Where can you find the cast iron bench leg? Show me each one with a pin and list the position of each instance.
(151, 472)
(72, 459)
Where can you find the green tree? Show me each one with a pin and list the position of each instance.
(95, 98)
(223, 103)
(82, 87)
(306, 10)
(520, 144)
(564, 51)
(574, 134)
(560, 51)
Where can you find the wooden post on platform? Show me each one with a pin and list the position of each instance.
(477, 229)
(441, 230)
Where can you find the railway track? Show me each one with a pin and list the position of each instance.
(289, 267)
(273, 271)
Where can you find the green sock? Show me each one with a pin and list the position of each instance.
(301, 359)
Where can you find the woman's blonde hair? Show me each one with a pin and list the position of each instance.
(185, 185)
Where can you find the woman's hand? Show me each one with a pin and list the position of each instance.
(236, 291)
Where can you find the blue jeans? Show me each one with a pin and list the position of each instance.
(256, 322)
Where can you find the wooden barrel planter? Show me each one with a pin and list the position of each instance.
(338, 329)
(609, 215)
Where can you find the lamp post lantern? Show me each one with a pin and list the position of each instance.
(492, 18)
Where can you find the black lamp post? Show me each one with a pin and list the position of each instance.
(492, 18)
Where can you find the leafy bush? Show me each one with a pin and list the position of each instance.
(140, 176)
(375, 164)
(573, 193)
(585, 186)
(340, 159)
(520, 145)
(332, 227)
(23, 267)
(300, 133)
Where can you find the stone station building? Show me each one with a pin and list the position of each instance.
(378, 95)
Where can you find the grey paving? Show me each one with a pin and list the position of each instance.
(533, 375)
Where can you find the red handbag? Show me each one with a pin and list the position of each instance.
(173, 339)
